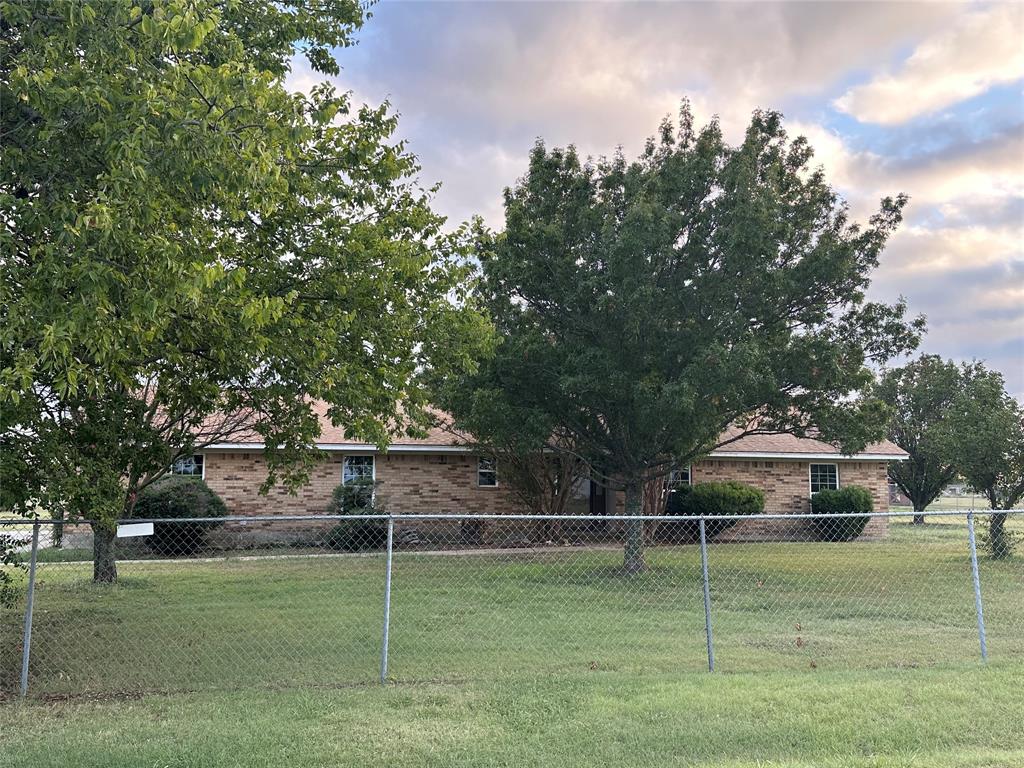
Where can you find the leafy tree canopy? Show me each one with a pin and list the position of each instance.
(986, 438)
(921, 396)
(182, 237)
(647, 305)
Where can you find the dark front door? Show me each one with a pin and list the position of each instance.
(598, 505)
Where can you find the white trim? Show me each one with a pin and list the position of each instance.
(353, 448)
(423, 448)
(202, 474)
(373, 472)
(839, 480)
(689, 476)
(373, 467)
(495, 471)
(815, 457)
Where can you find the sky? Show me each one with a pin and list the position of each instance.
(926, 99)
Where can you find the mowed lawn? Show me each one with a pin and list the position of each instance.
(296, 622)
(862, 654)
(939, 717)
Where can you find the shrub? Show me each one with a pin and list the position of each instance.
(178, 497)
(357, 535)
(849, 499)
(710, 500)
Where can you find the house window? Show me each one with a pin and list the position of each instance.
(190, 466)
(677, 478)
(358, 470)
(487, 473)
(824, 477)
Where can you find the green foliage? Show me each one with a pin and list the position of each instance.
(646, 306)
(190, 251)
(357, 498)
(995, 538)
(987, 438)
(10, 564)
(709, 500)
(178, 497)
(849, 499)
(921, 396)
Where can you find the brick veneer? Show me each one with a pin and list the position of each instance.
(447, 484)
(786, 485)
(408, 484)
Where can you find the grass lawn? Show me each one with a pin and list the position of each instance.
(827, 654)
(940, 717)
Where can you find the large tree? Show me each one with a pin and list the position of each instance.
(647, 306)
(987, 439)
(189, 249)
(921, 395)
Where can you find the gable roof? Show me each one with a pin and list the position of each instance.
(439, 439)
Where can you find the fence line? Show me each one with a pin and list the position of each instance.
(411, 516)
(512, 604)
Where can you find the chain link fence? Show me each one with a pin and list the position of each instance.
(326, 601)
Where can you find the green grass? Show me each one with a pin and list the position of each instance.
(924, 718)
(904, 601)
(862, 654)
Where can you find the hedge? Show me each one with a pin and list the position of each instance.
(360, 534)
(179, 497)
(710, 500)
(849, 499)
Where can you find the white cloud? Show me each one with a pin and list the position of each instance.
(980, 50)
(967, 177)
(476, 83)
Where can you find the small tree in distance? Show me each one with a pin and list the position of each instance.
(645, 307)
(987, 439)
(921, 395)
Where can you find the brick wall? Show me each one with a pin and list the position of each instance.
(439, 484)
(786, 486)
(787, 491)
(408, 484)
(447, 484)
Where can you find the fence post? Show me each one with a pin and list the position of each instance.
(26, 641)
(387, 603)
(977, 585)
(707, 596)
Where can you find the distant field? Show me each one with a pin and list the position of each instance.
(966, 502)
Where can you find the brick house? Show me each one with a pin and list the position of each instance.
(442, 474)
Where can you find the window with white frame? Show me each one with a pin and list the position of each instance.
(190, 466)
(486, 472)
(358, 470)
(678, 478)
(824, 477)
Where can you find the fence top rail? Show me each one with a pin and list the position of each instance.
(964, 513)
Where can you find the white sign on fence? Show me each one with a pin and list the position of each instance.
(124, 530)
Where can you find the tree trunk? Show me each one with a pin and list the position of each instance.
(998, 540)
(104, 557)
(633, 554)
(918, 516)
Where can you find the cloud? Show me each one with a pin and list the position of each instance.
(984, 175)
(476, 83)
(499, 75)
(978, 51)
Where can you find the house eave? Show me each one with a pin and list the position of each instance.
(350, 448)
(414, 448)
(768, 456)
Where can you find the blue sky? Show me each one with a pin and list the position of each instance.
(926, 99)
